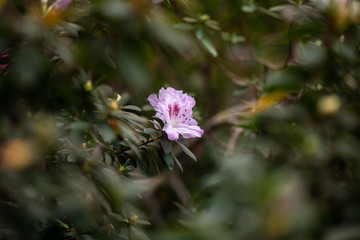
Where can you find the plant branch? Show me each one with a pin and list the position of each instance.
(143, 144)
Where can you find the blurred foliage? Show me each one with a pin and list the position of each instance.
(277, 90)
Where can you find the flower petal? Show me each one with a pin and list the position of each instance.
(154, 101)
(188, 131)
(172, 133)
(192, 122)
(188, 101)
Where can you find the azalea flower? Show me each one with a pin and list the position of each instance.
(174, 108)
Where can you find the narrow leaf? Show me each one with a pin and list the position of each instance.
(132, 107)
(177, 163)
(268, 12)
(183, 141)
(62, 224)
(145, 135)
(143, 222)
(143, 163)
(169, 161)
(187, 151)
(151, 131)
(209, 46)
(159, 121)
(139, 233)
(108, 158)
(189, 19)
(200, 34)
(184, 26)
(166, 145)
(248, 8)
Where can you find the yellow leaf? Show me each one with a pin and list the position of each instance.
(267, 101)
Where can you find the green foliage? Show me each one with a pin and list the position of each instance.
(277, 90)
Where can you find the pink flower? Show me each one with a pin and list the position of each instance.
(174, 108)
(61, 5)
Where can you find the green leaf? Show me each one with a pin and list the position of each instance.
(268, 12)
(169, 161)
(166, 144)
(209, 46)
(240, 91)
(132, 107)
(145, 135)
(79, 126)
(139, 234)
(155, 158)
(151, 131)
(143, 222)
(117, 217)
(106, 132)
(159, 121)
(213, 24)
(190, 19)
(184, 26)
(183, 141)
(248, 8)
(200, 33)
(177, 163)
(143, 163)
(62, 224)
(108, 158)
(237, 38)
(187, 151)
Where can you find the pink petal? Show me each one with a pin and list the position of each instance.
(188, 131)
(192, 122)
(172, 133)
(188, 101)
(154, 101)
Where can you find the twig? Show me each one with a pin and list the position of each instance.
(253, 57)
(229, 115)
(142, 144)
(234, 77)
(217, 141)
(232, 141)
(290, 51)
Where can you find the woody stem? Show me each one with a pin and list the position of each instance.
(143, 144)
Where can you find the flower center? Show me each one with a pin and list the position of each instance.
(174, 110)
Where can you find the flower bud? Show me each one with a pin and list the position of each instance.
(88, 86)
(114, 105)
(134, 219)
